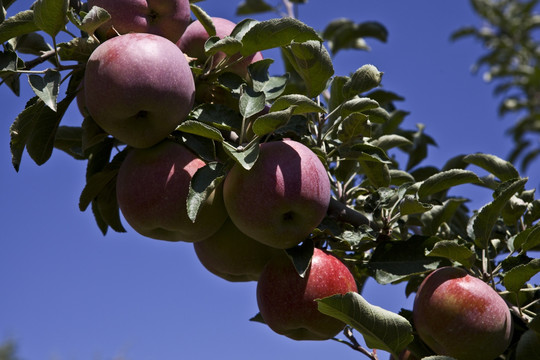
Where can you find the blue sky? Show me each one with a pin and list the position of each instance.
(68, 292)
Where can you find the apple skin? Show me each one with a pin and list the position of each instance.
(234, 256)
(167, 18)
(138, 88)
(287, 301)
(193, 39)
(282, 198)
(461, 316)
(405, 355)
(152, 187)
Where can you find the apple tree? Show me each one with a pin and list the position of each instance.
(294, 177)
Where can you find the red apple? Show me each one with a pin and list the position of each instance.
(461, 316)
(234, 256)
(282, 198)
(152, 188)
(287, 301)
(138, 88)
(193, 39)
(167, 18)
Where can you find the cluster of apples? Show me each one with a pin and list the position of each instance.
(138, 87)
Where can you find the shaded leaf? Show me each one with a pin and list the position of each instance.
(200, 129)
(382, 329)
(251, 102)
(246, 157)
(252, 7)
(487, 216)
(46, 87)
(301, 257)
(51, 15)
(312, 63)
(203, 182)
(519, 275)
(17, 25)
(453, 250)
(502, 169)
(270, 122)
(204, 18)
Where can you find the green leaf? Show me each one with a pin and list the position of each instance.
(364, 79)
(440, 214)
(358, 104)
(51, 15)
(365, 152)
(382, 329)
(204, 181)
(411, 205)
(252, 7)
(200, 129)
(251, 102)
(245, 157)
(487, 216)
(336, 94)
(302, 104)
(397, 261)
(445, 180)
(35, 129)
(313, 63)
(387, 142)
(10, 63)
(17, 25)
(345, 34)
(228, 45)
(272, 87)
(46, 87)
(527, 239)
(353, 127)
(94, 186)
(502, 169)
(519, 275)
(275, 33)
(77, 49)
(453, 250)
(216, 115)
(204, 18)
(270, 122)
(93, 20)
(301, 256)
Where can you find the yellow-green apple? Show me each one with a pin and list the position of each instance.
(152, 189)
(167, 18)
(138, 88)
(282, 198)
(287, 301)
(461, 316)
(234, 256)
(193, 39)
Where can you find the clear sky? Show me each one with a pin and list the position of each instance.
(70, 293)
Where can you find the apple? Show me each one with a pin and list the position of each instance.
(234, 256)
(193, 39)
(167, 18)
(152, 187)
(282, 198)
(138, 88)
(287, 301)
(461, 316)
